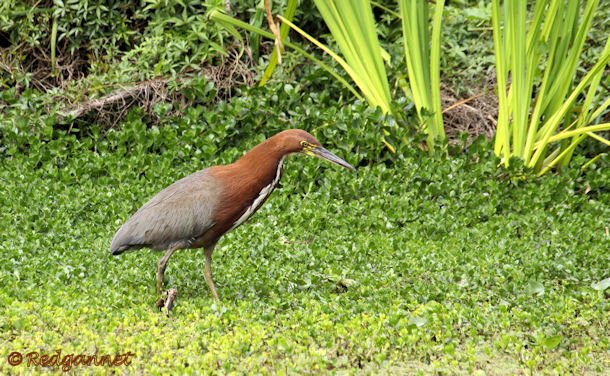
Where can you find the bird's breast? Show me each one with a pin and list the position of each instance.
(259, 198)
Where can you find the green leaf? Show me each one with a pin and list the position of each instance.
(535, 288)
(284, 28)
(601, 285)
(418, 321)
(552, 342)
(542, 102)
(422, 45)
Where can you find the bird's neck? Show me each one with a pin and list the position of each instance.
(266, 156)
(254, 177)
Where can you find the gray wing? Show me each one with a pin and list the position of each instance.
(179, 213)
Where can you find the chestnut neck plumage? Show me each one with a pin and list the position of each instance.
(250, 181)
(266, 154)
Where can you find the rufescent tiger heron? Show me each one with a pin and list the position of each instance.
(196, 211)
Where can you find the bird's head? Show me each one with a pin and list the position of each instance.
(299, 141)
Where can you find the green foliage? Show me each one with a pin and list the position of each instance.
(274, 59)
(179, 37)
(88, 38)
(422, 46)
(434, 263)
(231, 22)
(96, 26)
(467, 59)
(542, 104)
(354, 30)
(437, 265)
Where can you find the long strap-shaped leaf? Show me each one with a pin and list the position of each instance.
(229, 21)
(502, 143)
(554, 121)
(557, 33)
(353, 28)
(362, 81)
(273, 60)
(422, 55)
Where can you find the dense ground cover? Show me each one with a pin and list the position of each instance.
(417, 263)
(432, 263)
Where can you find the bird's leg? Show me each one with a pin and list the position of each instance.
(207, 272)
(161, 268)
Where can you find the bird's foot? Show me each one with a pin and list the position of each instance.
(162, 296)
(161, 302)
(166, 301)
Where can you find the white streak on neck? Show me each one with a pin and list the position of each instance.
(264, 193)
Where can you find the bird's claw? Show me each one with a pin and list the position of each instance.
(167, 300)
(160, 303)
(162, 297)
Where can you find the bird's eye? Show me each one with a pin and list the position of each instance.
(307, 146)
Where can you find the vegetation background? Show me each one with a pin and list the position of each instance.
(441, 262)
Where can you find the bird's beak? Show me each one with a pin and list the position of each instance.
(320, 152)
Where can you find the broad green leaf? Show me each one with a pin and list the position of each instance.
(552, 342)
(601, 285)
(534, 288)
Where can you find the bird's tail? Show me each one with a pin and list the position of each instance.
(123, 241)
(117, 251)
